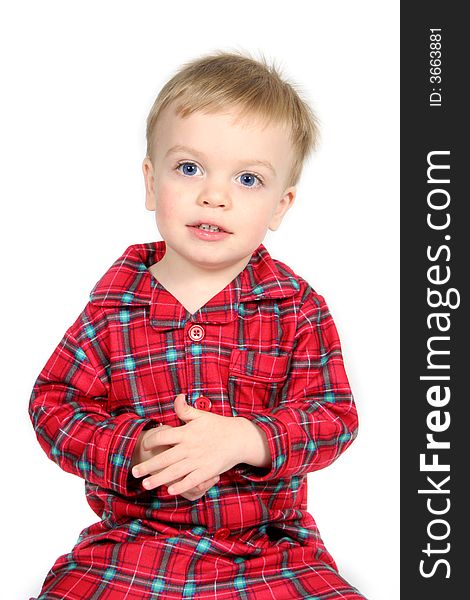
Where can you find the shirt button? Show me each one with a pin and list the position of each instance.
(203, 403)
(196, 333)
(222, 533)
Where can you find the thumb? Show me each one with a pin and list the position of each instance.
(184, 411)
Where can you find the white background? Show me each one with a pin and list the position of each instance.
(78, 80)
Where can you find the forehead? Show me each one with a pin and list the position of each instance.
(223, 131)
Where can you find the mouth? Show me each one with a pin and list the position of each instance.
(208, 226)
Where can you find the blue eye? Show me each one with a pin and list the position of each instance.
(189, 168)
(249, 178)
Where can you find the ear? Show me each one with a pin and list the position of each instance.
(149, 178)
(283, 206)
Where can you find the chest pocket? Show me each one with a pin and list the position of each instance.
(256, 379)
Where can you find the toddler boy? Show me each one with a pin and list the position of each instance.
(204, 379)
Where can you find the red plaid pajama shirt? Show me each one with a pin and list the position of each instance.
(264, 348)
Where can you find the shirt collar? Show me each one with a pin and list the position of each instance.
(129, 283)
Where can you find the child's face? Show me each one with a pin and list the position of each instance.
(216, 178)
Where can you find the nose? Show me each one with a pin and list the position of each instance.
(214, 196)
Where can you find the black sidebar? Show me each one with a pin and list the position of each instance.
(435, 331)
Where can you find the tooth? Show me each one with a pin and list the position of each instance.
(208, 227)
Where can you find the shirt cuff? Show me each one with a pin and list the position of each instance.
(277, 435)
(118, 475)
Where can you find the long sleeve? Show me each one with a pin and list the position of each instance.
(316, 419)
(68, 409)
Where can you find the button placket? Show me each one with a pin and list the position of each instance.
(196, 333)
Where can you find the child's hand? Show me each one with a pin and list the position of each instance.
(140, 455)
(193, 454)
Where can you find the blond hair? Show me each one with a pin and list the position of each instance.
(233, 79)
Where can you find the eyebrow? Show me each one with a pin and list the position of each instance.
(181, 148)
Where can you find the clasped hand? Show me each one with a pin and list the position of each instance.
(205, 446)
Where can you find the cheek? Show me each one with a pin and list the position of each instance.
(167, 205)
(256, 217)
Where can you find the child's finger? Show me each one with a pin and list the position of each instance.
(182, 486)
(161, 436)
(168, 456)
(183, 468)
(199, 490)
(204, 486)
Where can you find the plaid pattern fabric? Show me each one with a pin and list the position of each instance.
(269, 352)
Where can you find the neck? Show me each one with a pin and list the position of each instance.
(175, 269)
